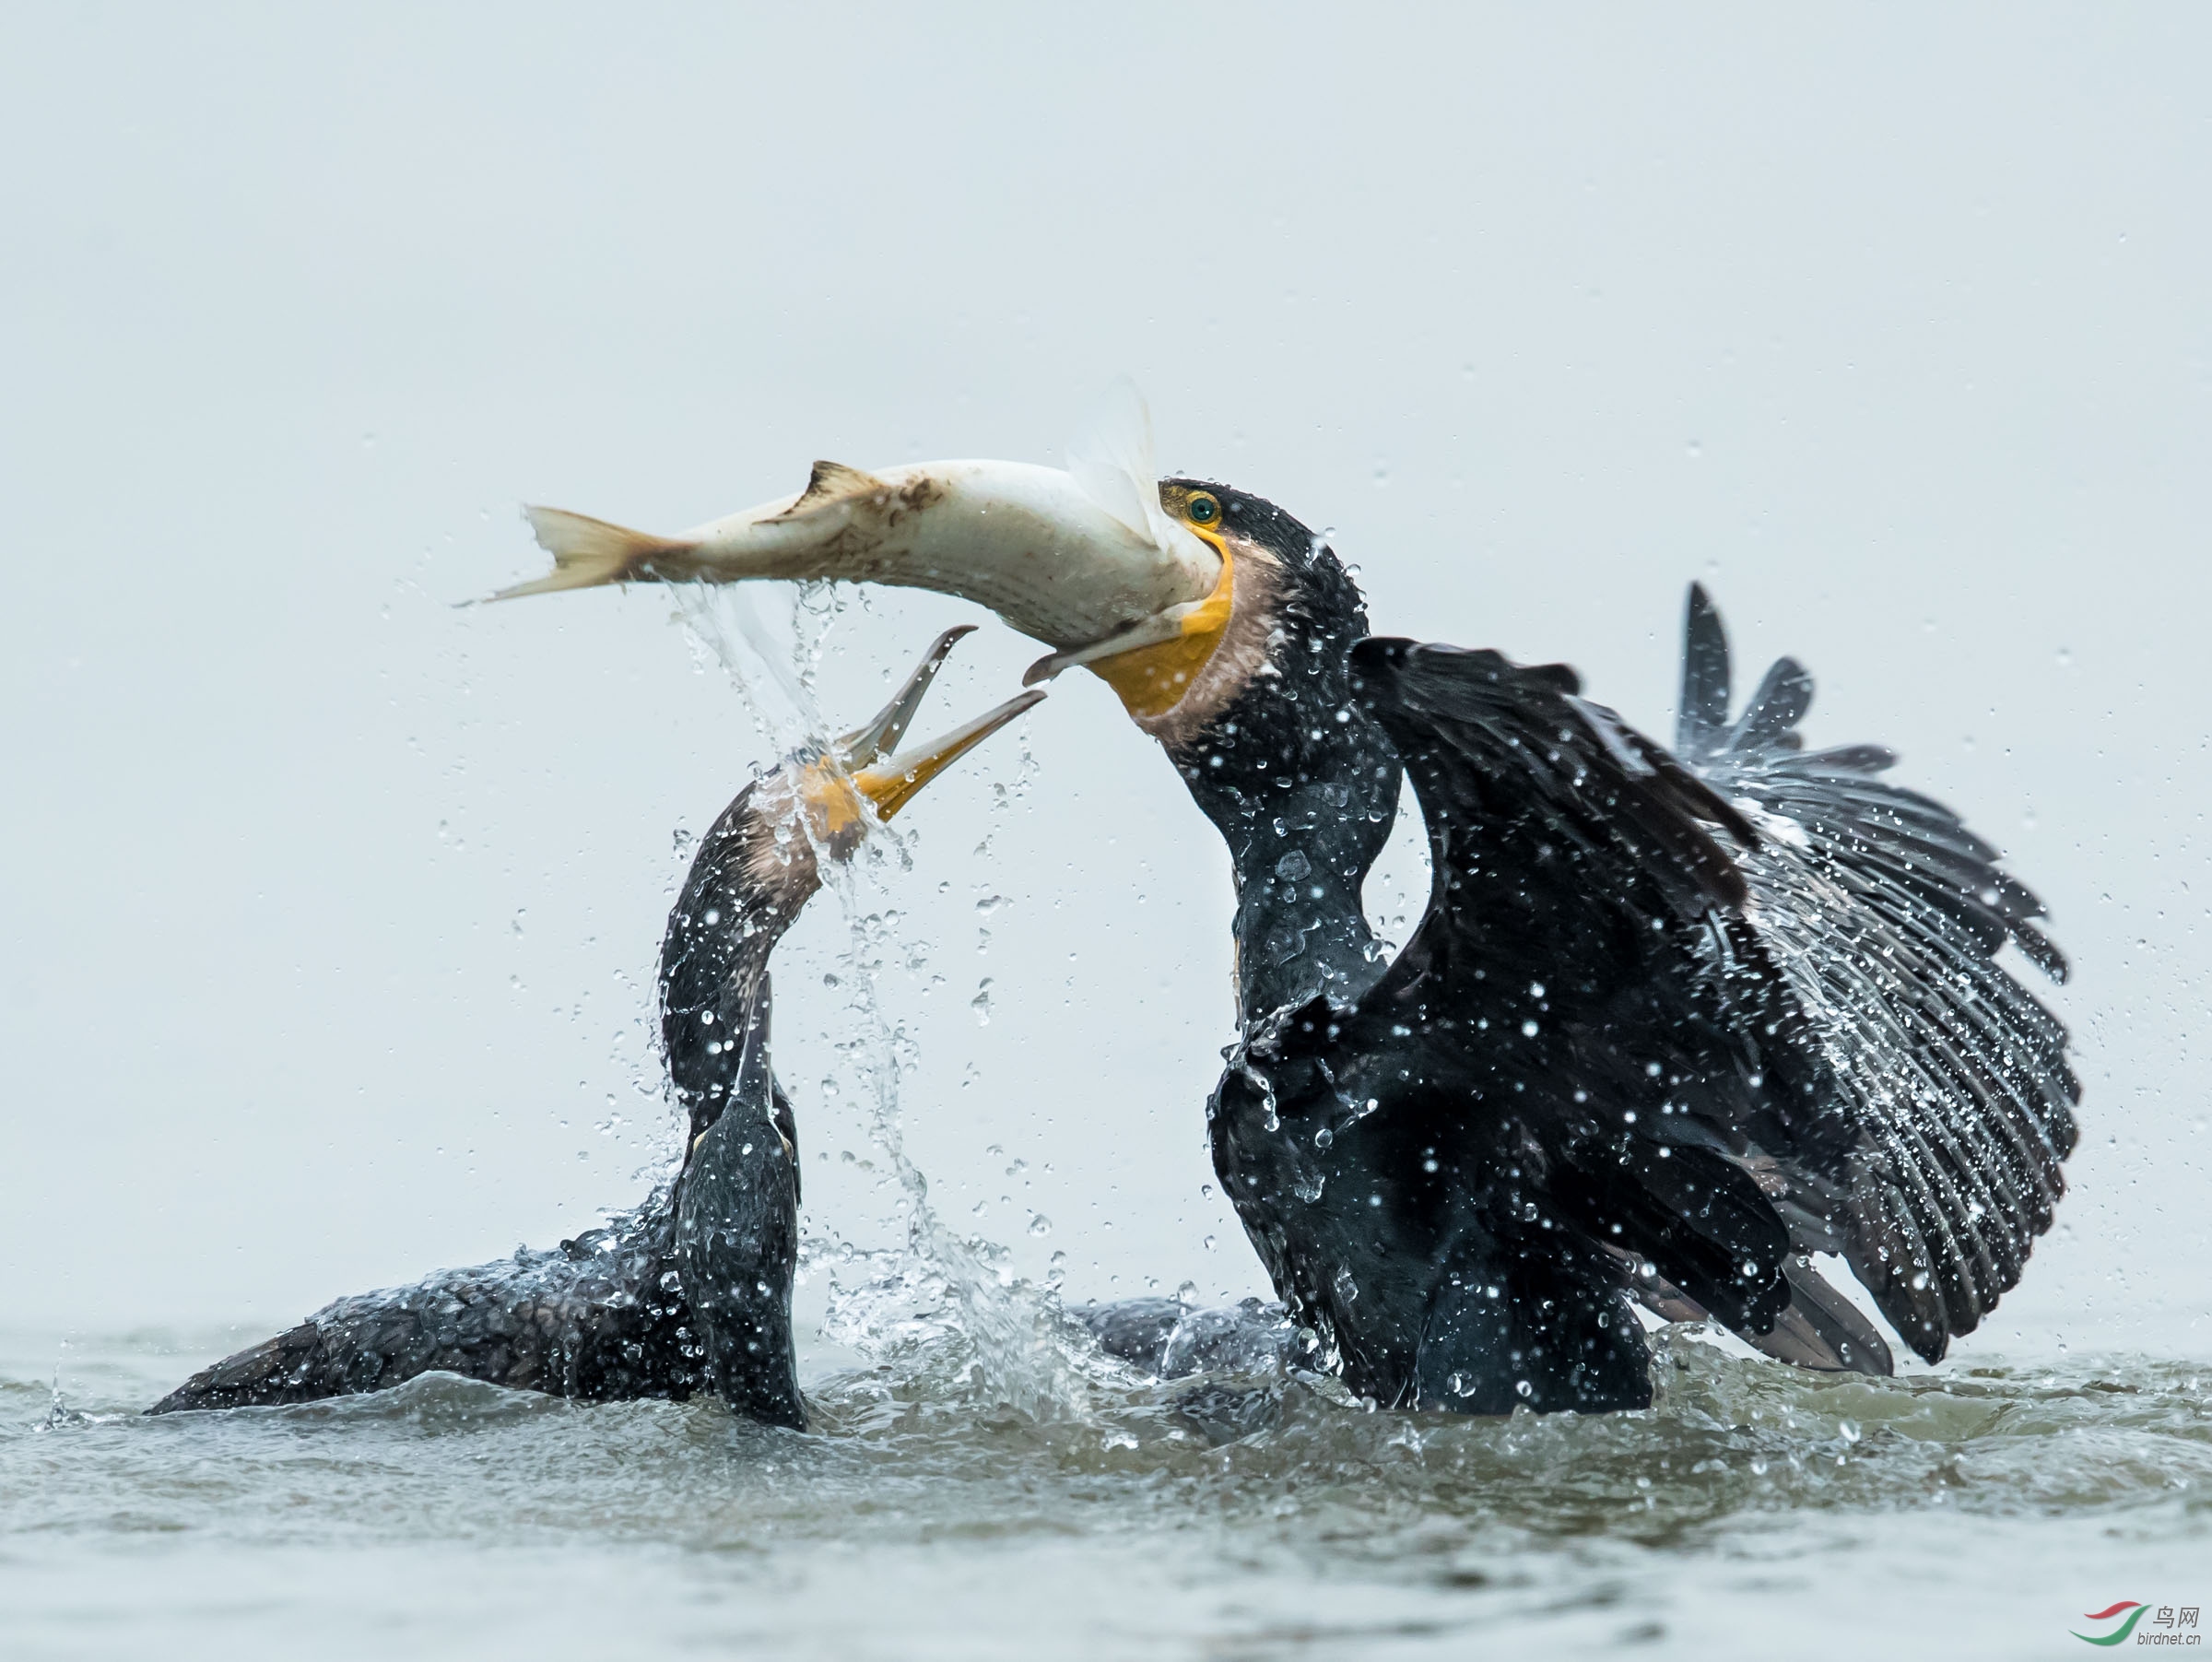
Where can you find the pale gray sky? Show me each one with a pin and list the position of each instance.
(324, 903)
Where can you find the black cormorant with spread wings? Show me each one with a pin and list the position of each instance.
(691, 1291)
(1670, 1024)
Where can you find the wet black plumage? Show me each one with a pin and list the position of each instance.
(689, 1292)
(1670, 1023)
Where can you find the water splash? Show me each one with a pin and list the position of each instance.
(952, 1296)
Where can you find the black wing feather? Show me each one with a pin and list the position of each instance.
(1701, 721)
(1568, 848)
(1885, 914)
(1835, 934)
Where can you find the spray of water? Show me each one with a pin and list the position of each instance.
(942, 1302)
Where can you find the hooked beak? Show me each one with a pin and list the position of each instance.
(879, 736)
(891, 784)
(1150, 663)
(862, 763)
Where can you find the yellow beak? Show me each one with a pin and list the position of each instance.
(861, 763)
(1151, 665)
(891, 783)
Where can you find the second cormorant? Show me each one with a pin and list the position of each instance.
(691, 1291)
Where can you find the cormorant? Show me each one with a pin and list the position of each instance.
(692, 1290)
(1670, 1025)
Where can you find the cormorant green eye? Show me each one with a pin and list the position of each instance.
(1202, 509)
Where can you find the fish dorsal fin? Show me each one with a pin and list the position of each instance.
(832, 482)
(1110, 459)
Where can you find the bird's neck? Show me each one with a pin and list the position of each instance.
(1303, 791)
(748, 881)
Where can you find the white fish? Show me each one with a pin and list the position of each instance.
(1071, 558)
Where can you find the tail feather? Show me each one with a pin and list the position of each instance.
(588, 552)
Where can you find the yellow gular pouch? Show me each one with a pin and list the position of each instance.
(1152, 680)
(836, 814)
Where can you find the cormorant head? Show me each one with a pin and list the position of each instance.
(1273, 632)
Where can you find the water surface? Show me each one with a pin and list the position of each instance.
(1754, 1509)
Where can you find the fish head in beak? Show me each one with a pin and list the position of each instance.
(1181, 595)
(1272, 632)
(1069, 557)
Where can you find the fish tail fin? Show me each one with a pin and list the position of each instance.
(588, 552)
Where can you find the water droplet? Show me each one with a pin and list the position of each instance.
(1042, 1226)
(1850, 1431)
(1461, 1385)
(1208, 1243)
(981, 1003)
(1523, 1388)
(1528, 1028)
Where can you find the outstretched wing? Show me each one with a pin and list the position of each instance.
(1577, 973)
(1885, 915)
